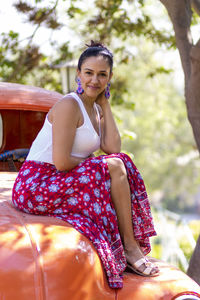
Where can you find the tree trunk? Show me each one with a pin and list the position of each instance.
(194, 267)
(180, 14)
(193, 93)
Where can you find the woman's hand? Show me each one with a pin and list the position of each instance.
(110, 137)
(101, 99)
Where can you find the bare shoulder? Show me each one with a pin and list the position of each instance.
(67, 106)
(67, 102)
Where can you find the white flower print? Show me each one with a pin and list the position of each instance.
(80, 170)
(95, 161)
(72, 201)
(69, 191)
(41, 208)
(58, 211)
(39, 198)
(86, 213)
(132, 196)
(26, 172)
(111, 225)
(57, 201)
(105, 221)
(97, 193)
(86, 197)
(108, 207)
(36, 175)
(104, 233)
(98, 176)
(21, 198)
(107, 185)
(33, 187)
(43, 184)
(84, 179)
(53, 188)
(18, 185)
(109, 237)
(117, 236)
(97, 208)
(30, 205)
(29, 180)
(129, 165)
(69, 179)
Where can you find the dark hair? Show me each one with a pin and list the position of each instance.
(96, 49)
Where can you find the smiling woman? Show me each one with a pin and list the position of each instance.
(103, 197)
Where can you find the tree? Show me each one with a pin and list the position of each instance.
(181, 13)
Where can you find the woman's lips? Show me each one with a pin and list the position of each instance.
(93, 87)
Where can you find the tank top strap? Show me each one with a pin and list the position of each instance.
(99, 119)
(85, 114)
(83, 110)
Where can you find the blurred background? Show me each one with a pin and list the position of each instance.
(40, 42)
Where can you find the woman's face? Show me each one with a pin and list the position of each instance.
(94, 75)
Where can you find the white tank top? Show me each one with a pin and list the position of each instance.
(86, 139)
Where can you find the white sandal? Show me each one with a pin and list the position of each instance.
(147, 271)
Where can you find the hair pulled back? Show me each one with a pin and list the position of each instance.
(96, 49)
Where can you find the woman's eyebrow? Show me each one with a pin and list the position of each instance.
(102, 71)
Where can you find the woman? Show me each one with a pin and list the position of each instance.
(103, 197)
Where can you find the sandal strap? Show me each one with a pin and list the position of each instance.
(147, 271)
(148, 265)
(140, 262)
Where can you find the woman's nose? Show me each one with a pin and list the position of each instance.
(94, 78)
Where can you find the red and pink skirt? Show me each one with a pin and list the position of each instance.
(82, 198)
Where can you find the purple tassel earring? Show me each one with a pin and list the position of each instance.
(79, 90)
(107, 91)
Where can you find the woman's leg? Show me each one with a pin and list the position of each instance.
(121, 197)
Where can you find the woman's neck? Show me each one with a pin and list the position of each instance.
(88, 102)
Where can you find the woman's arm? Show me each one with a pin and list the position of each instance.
(65, 117)
(110, 137)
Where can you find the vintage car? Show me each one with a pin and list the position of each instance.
(43, 258)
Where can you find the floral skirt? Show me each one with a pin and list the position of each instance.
(82, 198)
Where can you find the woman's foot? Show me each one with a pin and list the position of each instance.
(138, 263)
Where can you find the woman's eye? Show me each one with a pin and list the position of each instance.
(88, 72)
(103, 74)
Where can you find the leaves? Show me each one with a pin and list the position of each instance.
(38, 15)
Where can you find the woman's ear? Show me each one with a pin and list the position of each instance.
(111, 75)
(77, 73)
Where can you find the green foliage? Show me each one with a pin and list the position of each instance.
(39, 15)
(121, 20)
(16, 61)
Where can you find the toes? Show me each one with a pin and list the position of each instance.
(154, 268)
